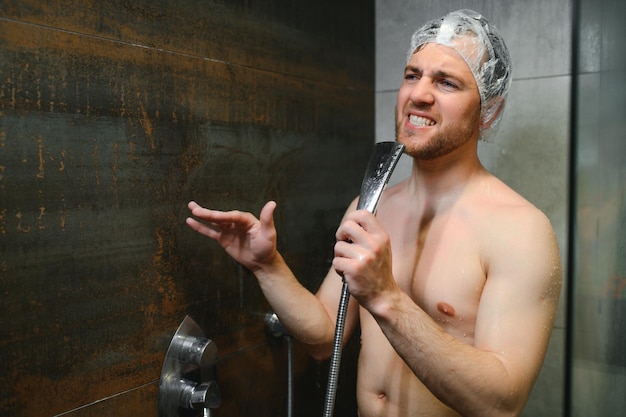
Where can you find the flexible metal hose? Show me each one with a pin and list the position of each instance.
(335, 359)
(289, 339)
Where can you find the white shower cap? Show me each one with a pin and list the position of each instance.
(482, 47)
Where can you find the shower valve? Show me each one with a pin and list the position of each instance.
(187, 381)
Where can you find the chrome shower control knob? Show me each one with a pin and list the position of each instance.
(197, 396)
(198, 351)
(205, 395)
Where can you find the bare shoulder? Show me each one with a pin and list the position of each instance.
(496, 203)
(516, 238)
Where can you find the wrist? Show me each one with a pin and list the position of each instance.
(271, 266)
(385, 305)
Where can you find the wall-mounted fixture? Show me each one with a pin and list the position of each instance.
(188, 386)
(275, 328)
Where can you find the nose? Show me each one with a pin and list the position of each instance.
(421, 91)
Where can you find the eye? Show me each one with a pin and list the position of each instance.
(448, 85)
(411, 76)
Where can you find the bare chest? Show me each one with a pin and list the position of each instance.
(440, 267)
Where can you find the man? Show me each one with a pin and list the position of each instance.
(457, 277)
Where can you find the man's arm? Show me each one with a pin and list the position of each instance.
(513, 324)
(250, 241)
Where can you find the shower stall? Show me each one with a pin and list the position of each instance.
(115, 113)
(597, 298)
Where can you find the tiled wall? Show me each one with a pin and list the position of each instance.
(531, 150)
(113, 115)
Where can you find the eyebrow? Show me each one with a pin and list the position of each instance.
(411, 68)
(436, 74)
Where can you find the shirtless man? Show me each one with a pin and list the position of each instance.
(455, 281)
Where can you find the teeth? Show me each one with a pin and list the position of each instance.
(420, 121)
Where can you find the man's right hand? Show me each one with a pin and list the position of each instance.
(248, 240)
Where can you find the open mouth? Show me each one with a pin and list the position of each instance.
(419, 121)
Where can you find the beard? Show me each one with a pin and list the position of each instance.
(444, 142)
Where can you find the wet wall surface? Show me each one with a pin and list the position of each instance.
(113, 115)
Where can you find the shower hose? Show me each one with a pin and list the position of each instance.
(335, 359)
(289, 339)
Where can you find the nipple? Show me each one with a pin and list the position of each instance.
(446, 309)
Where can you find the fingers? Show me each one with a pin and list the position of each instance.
(217, 217)
(214, 222)
(361, 244)
(204, 229)
(197, 210)
(357, 226)
(349, 264)
(203, 213)
(349, 249)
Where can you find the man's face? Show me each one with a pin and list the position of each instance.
(438, 107)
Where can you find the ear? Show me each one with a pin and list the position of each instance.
(491, 112)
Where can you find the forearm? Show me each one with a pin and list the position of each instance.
(471, 381)
(299, 310)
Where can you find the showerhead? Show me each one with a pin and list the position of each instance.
(382, 162)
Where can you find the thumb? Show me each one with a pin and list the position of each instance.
(267, 217)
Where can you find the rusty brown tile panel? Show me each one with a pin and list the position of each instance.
(255, 383)
(140, 401)
(322, 40)
(102, 143)
(49, 71)
(98, 267)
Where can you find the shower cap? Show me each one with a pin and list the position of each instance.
(482, 47)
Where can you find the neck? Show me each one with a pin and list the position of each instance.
(439, 182)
